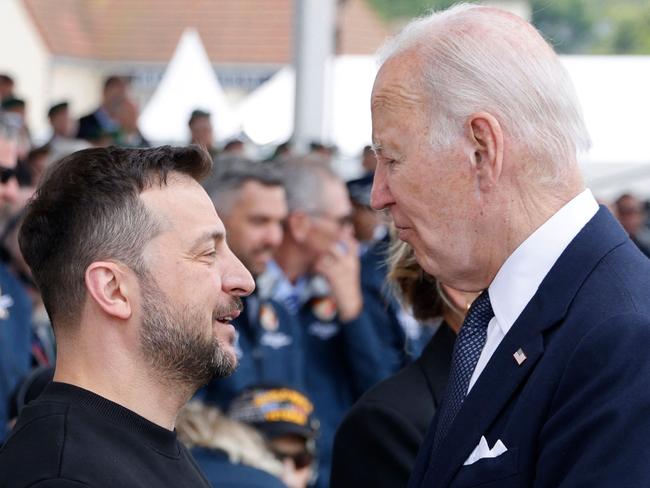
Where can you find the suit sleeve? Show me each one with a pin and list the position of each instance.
(374, 446)
(598, 428)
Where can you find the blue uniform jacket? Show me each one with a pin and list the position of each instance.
(342, 361)
(15, 340)
(575, 412)
(403, 339)
(221, 473)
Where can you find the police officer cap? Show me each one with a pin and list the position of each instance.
(359, 190)
(275, 411)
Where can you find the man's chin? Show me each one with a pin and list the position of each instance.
(226, 360)
(426, 263)
(229, 350)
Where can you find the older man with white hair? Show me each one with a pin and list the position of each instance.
(477, 128)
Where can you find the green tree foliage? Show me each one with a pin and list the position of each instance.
(397, 9)
(572, 26)
(626, 29)
(567, 24)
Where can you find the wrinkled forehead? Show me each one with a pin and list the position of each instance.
(399, 84)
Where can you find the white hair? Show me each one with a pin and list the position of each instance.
(484, 59)
(304, 179)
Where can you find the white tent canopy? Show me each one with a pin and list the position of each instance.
(189, 83)
(267, 113)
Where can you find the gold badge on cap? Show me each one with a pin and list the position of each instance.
(324, 308)
(268, 318)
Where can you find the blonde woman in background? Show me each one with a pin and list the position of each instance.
(230, 453)
(377, 443)
(265, 441)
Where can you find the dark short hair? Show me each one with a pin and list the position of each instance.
(113, 80)
(37, 152)
(12, 102)
(233, 143)
(625, 196)
(56, 108)
(198, 114)
(88, 209)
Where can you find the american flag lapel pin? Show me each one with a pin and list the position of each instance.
(519, 356)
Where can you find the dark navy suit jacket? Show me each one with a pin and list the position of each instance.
(576, 412)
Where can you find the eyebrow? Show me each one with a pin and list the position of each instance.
(215, 235)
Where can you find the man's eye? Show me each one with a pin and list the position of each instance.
(391, 163)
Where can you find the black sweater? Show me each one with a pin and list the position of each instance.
(71, 437)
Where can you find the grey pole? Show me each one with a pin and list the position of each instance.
(313, 49)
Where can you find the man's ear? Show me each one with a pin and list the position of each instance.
(298, 224)
(110, 286)
(486, 140)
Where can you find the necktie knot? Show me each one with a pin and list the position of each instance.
(480, 312)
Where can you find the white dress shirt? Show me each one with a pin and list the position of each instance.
(525, 269)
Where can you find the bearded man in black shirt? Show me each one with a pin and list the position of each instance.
(132, 262)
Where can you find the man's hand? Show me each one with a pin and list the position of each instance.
(341, 268)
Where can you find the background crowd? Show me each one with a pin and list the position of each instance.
(337, 308)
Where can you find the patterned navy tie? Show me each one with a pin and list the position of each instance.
(467, 349)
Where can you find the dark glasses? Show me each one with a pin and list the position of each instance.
(6, 174)
(300, 459)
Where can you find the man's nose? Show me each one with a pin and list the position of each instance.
(274, 235)
(236, 279)
(380, 196)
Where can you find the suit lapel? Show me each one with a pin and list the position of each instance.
(503, 375)
(435, 362)
(489, 395)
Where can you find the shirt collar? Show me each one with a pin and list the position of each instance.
(521, 274)
(273, 283)
(106, 121)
